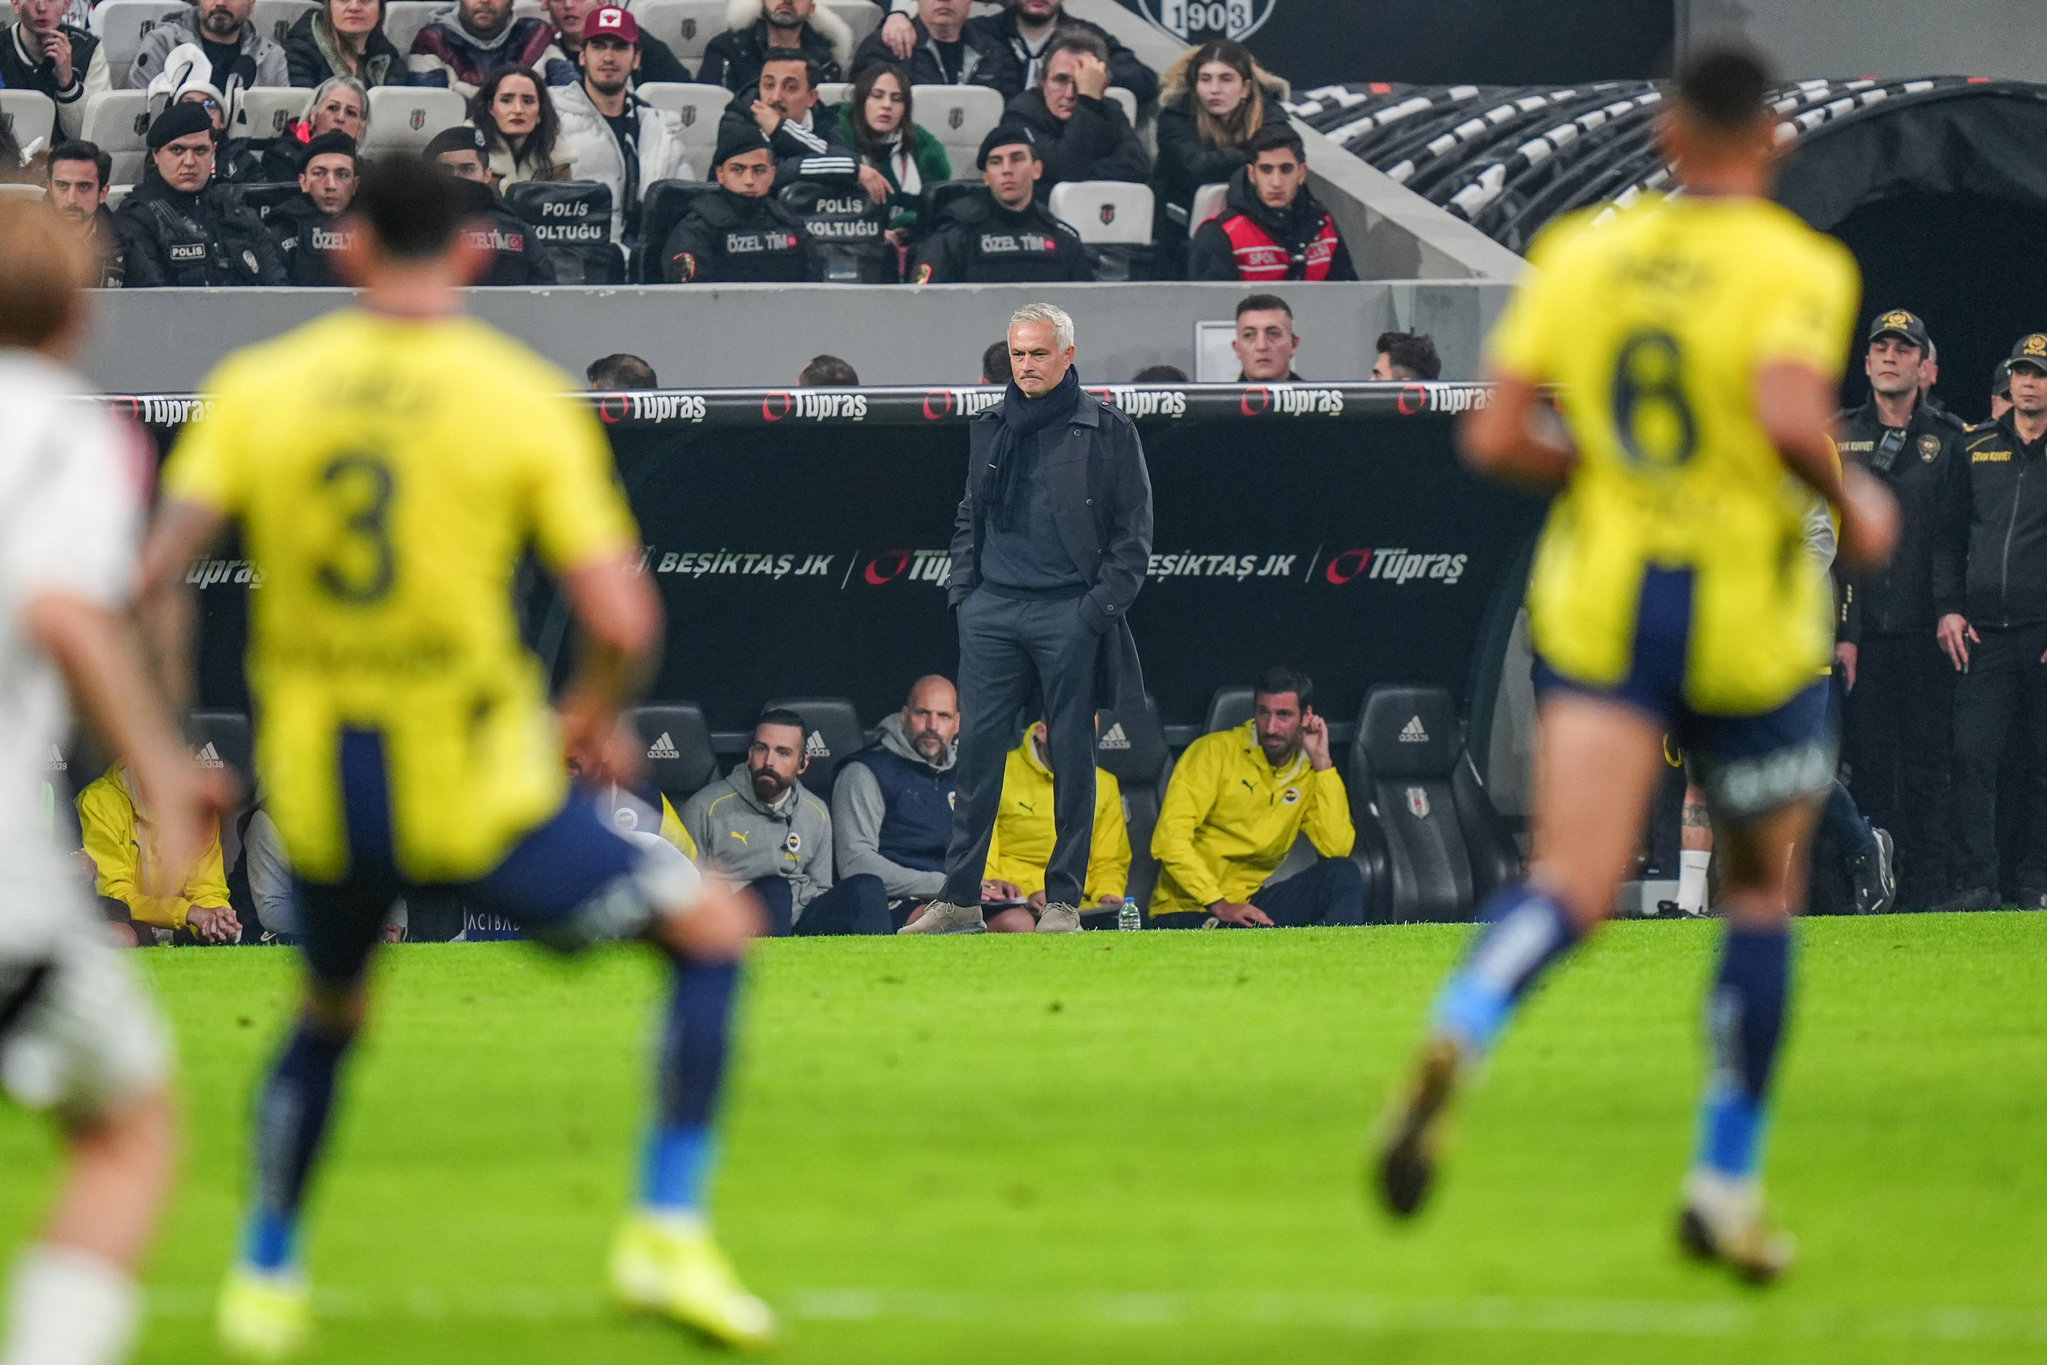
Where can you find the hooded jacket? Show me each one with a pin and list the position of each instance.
(206, 239)
(1257, 245)
(447, 54)
(977, 241)
(261, 61)
(1096, 143)
(984, 59)
(309, 54)
(599, 157)
(733, 59)
(20, 71)
(892, 814)
(1185, 163)
(120, 841)
(751, 840)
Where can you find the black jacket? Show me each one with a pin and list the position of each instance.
(1184, 165)
(823, 152)
(1125, 67)
(1914, 463)
(516, 254)
(727, 238)
(977, 241)
(19, 72)
(382, 61)
(206, 239)
(1211, 255)
(1097, 143)
(1101, 494)
(984, 59)
(733, 59)
(307, 239)
(105, 242)
(1990, 562)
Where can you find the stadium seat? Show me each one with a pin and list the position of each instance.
(687, 26)
(117, 196)
(404, 118)
(834, 93)
(1113, 218)
(862, 16)
(698, 107)
(571, 220)
(661, 208)
(220, 739)
(1431, 842)
(265, 197)
(1128, 102)
(937, 198)
(1208, 203)
(31, 116)
(274, 18)
(117, 121)
(10, 190)
(835, 736)
(847, 228)
(403, 20)
(958, 116)
(1131, 745)
(678, 740)
(528, 9)
(123, 24)
(1227, 709)
(266, 111)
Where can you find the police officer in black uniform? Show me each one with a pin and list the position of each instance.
(1990, 588)
(1901, 686)
(179, 227)
(736, 234)
(1003, 236)
(311, 227)
(517, 258)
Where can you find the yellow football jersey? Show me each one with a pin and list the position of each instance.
(1654, 324)
(387, 475)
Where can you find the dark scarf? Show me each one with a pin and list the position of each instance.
(1022, 418)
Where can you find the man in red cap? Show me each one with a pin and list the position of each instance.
(619, 139)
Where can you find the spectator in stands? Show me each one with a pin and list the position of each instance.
(995, 364)
(658, 61)
(464, 45)
(341, 104)
(309, 228)
(1236, 802)
(1005, 236)
(620, 373)
(1160, 374)
(892, 802)
(178, 227)
(1215, 97)
(1407, 356)
(615, 137)
(516, 114)
(1021, 846)
(827, 372)
(120, 840)
(1265, 341)
(754, 31)
(344, 38)
(1029, 28)
(75, 180)
(517, 257)
(1081, 134)
(238, 55)
(1271, 228)
(944, 49)
(14, 168)
(887, 139)
(2000, 391)
(40, 51)
(762, 827)
(807, 139)
(736, 234)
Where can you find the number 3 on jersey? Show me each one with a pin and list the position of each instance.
(362, 564)
(1651, 414)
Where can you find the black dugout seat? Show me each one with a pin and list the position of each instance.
(571, 219)
(678, 747)
(661, 208)
(832, 735)
(846, 232)
(1227, 709)
(1131, 744)
(1432, 843)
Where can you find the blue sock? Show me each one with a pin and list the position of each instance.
(693, 1049)
(1527, 932)
(1744, 1024)
(291, 1124)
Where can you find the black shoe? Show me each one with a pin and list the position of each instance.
(1672, 910)
(1973, 898)
(1412, 1133)
(1876, 877)
(2031, 899)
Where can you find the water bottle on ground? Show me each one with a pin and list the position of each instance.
(1129, 919)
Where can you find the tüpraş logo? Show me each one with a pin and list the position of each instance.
(1192, 21)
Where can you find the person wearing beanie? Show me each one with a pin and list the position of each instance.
(517, 257)
(1004, 236)
(179, 227)
(309, 227)
(737, 234)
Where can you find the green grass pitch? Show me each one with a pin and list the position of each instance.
(1118, 1148)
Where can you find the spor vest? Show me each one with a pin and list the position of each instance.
(919, 802)
(1260, 256)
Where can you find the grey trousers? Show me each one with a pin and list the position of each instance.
(1011, 653)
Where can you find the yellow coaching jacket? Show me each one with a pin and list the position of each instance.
(117, 839)
(1229, 818)
(1024, 833)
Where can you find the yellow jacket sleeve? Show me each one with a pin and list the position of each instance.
(1108, 863)
(1189, 796)
(107, 819)
(673, 831)
(207, 886)
(1327, 823)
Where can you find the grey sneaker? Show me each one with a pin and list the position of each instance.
(943, 917)
(1059, 919)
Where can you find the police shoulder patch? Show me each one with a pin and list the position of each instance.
(1929, 448)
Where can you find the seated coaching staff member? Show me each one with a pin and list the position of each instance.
(1235, 804)
(892, 803)
(1049, 550)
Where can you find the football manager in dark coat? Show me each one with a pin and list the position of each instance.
(1051, 544)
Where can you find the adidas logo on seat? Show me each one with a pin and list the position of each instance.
(815, 747)
(663, 747)
(209, 757)
(55, 762)
(1115, 738)
(1413, 733)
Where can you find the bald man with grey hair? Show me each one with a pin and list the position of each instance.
(1049, 549)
